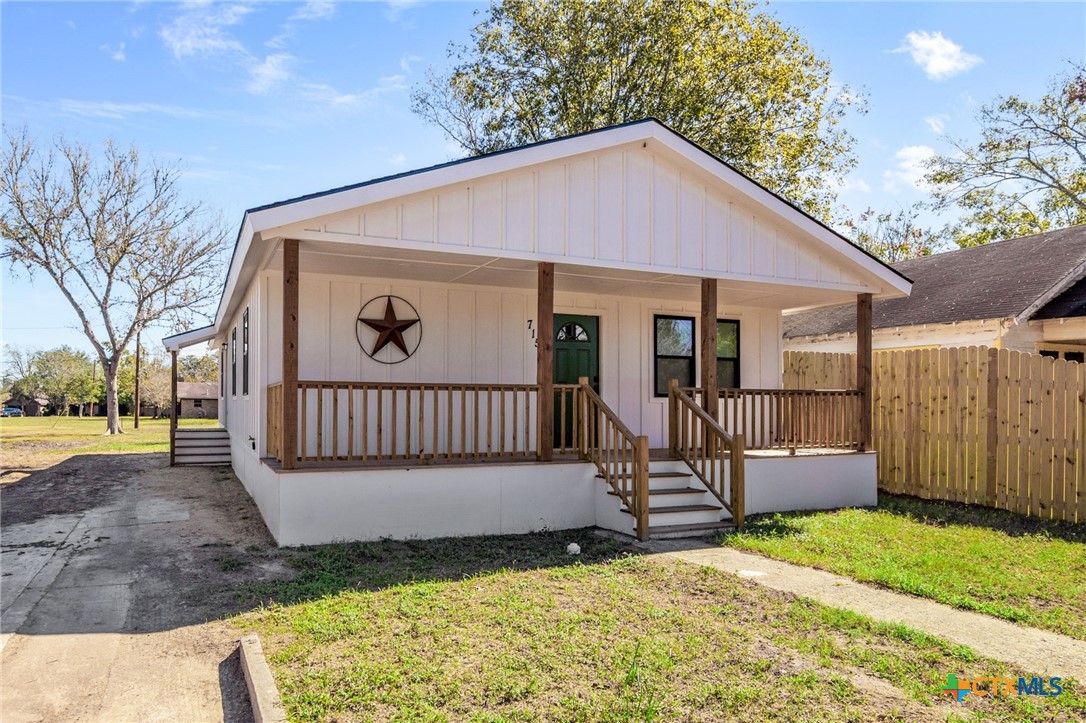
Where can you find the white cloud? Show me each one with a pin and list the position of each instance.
(398, 8)
(274, 71)
(398, 159)
(118, 111)
(324, 93)
(938, 56)
(910, 169)
(937, 123)
(406, 61)
(114, 53)
(852, 183)
(201, 30)
(315, 10)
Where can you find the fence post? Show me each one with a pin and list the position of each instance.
(673, 418)
(738, 483)
(641, 487)
(991, 488)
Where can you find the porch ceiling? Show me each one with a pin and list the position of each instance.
(323, 257)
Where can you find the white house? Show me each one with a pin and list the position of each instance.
(485, 346)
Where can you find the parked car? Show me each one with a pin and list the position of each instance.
(11, 412)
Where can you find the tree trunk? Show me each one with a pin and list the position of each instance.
(113, 418)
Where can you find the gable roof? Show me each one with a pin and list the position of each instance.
(1013, 279)
(262, 225)
(197, 390)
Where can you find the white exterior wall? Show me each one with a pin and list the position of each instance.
(242, 414)
(637, 207)
(476, 334)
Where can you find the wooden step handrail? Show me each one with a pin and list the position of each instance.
(620, 456)
(705, 446)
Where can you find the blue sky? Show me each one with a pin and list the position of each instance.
(259, 102)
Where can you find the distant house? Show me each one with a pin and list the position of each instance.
(1025, 294)
(31, 407)
(198, 400)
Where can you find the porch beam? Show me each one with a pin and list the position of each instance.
(173, 407)
(544, 360)
(289, 446)
(864, 304)
(709, 401)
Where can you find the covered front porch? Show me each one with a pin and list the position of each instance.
(708, 432)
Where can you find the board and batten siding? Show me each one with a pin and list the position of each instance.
(629, 207)
(481, 335)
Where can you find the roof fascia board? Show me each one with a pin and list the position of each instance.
(427, 180)
(189, 338)
(774, 205)
(1058, 288)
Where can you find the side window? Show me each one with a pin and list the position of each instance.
(727, 353)
(197, 403)
(245, 352)
(673, 351)
(234, 362)
(222, 371)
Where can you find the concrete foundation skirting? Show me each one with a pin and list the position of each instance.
(264, 696)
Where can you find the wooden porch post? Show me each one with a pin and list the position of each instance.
(709, 401)
(289, 447)
(544, 360)
(173, 407)
(863, 367)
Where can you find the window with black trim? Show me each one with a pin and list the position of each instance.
(197, 403)
(222, 371)
(245, 352)
(234, 362)
(673, 347)
(727, 354)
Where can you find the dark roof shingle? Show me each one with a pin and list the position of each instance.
(995, 281)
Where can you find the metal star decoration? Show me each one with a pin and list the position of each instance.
(389, 329)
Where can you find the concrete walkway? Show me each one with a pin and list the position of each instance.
(104, 608)
(1034, 651)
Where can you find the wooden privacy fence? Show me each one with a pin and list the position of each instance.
(819, 370)
(993, 427)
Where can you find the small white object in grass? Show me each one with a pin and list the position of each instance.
(573, 548)
(750, 573)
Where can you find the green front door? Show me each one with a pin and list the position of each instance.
(576, 355)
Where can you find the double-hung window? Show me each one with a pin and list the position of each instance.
(245, 352)
(673, 338)
(727, 354)
(234, 362)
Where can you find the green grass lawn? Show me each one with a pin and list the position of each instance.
(1020, 569)
(513, 629)
(86, 435)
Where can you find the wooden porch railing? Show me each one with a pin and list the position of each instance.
(697, 439)
(621, 457)
(790, 418)
(362, 421)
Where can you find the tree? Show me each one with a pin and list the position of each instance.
(65, 376)
(892, 237)
(115, 236)
(1028, 172)
(20, 378)
(737, 82)
(202, 368)
(155, 387)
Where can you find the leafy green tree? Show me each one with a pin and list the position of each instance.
(1028, 172)
(66, 377)
(892, 237)
(20, 378)
(198, 368)
(736, 81)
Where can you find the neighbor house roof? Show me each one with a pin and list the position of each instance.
(1022, 278)
(197, 390)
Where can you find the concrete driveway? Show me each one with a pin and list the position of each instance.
(116, 571)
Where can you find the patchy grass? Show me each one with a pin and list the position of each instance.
(1020, 569)
(513, 629)
(26, 439)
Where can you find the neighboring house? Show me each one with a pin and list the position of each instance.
(198, 400)
(404, 357)
(31, 407)
(1025, 294)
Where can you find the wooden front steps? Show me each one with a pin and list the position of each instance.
(679, 506)
(201, 446)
